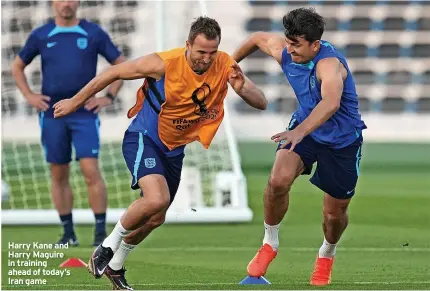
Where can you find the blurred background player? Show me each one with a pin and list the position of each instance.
(190, 84)
(325, 129)
(69, 48)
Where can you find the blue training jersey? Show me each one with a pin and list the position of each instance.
(69, 58)
(147, 120)
(345, 126)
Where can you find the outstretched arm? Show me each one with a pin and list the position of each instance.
(246, 89)
(147, 66)
(116, 86)
(97, 104)
(269, 43)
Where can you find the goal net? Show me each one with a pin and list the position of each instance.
(213, 187)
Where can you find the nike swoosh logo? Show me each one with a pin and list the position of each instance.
(349, 192)
(101, 271)
(50, 44)
(289, 74)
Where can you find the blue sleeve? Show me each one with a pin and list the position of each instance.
(30, 49)
(106, 47)
(286, 58)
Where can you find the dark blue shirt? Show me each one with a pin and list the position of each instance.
(345, 126)
(69, 58)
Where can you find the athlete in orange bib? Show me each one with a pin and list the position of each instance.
(181, 101)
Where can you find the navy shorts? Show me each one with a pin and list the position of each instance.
(143, 157)
(58, 136)
(337, 170)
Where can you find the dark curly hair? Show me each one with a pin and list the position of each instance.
(303, 22)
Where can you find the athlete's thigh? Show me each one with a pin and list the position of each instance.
(85, 136)
(338, 170)
(286, 168)
(305, 151)
(56, 140)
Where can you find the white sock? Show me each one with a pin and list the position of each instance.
(327, 250)
(115, 237)
(271, 235)
(120, 255)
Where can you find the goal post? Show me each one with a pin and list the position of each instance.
(213, 187)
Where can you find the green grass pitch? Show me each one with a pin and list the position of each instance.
(386, 246)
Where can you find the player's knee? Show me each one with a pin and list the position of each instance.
(280, 183)
(158, 203)
(338, 209)
(334, 215)
(93, 179)
(62, 181)
(90, 171)
(60, 174)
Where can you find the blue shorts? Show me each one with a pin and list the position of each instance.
(58, 135)
(143, 157)
(337, 170)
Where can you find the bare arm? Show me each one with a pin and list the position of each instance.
(147, 66)
(330, 72)
(36, 100)
(252, 95)
(246, 89)
(18, 67)
(96, 104)
(269, 43)
(116, 86)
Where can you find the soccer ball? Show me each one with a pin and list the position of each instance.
(4, 191)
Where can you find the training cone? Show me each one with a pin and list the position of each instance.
(73, 263)
(254, 280)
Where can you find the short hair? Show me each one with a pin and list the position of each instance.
(303, 22)
(204, 25)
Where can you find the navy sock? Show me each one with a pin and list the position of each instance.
(100, 222)
(67, 222)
